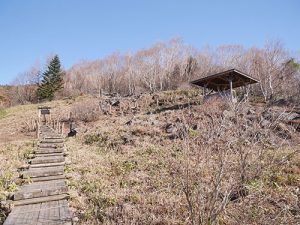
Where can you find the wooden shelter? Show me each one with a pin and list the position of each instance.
(224, 81)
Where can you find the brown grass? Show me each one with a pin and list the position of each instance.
(218, 167)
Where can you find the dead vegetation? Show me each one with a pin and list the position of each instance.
(209, 163)
(140, 160)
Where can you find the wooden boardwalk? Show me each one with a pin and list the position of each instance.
(42, 200)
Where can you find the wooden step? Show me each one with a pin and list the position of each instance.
(58, 177)
(52, 141)
(40, 200)
(45, 145)
(50, 154)
(48, 150)
(41, 189)
(50, 159)
(47, 165)
(42, 172)
(45, 213)
(50, 137)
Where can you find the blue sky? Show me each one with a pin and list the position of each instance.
(30, 30)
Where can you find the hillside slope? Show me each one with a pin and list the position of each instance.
(169, 158)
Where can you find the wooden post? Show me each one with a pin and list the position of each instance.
(230, 85)
(37, 128)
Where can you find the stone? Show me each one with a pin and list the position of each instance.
(114, 102)
(267, 115)
(171, 128)
(251, 111)
(228, 114)
(283, 131)
(290, 116)
(265, 123)
(127, 139)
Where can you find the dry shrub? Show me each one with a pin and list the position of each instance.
(223, 168)
(226, 153)
(86, 111)
(29, 125)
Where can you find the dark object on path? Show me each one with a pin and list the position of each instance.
(115, 103)
(72, 133)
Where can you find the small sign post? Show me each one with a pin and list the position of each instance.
(43, 111)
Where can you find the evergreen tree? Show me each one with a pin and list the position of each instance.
(52, 80)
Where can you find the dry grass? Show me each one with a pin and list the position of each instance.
(217, 166)
(155, 179)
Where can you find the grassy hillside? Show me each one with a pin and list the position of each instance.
(168, 158)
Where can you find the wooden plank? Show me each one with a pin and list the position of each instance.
(47, 213)
(52, 141)
(40, 200)
(24, 215)
(52, 137)
(43, 172)
(48, 150)
(41, 189)
(50, 159)
(58, 177)
(49, 145)
(50, 154)
(47, 165)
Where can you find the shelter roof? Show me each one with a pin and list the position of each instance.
(220, 81)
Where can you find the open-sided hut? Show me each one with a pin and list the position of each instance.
(225, 81)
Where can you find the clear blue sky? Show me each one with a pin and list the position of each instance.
(89, 29)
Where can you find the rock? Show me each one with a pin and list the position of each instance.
(228, 114)
(128, 122)
(10, 196)
(264, 123)
(251, 111)
(127, 139)
(194, 127)
(291, 116)
(252, 118)
(178, 120)
(283, 131)
(75, 219)
(171, 128)
(155, 123)
(155, 97)
(238, 192)
(281, 102)
(114, 102)
(267, 115)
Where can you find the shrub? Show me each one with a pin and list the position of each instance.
(86, 111)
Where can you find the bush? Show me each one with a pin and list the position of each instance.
(86, 111)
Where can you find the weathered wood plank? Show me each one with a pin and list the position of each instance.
(50, 154)
(47, 165)
(43, 172)
(51, 141)
(58, 177)
(41, 189)
(51, 145)
(48, 150)
(41, 199)
(47, 213)
(50, 159)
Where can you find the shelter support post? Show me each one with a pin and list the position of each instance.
(231, 92)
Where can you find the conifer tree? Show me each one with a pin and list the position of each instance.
(52, 80)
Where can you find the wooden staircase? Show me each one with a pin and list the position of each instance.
(43, 199)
